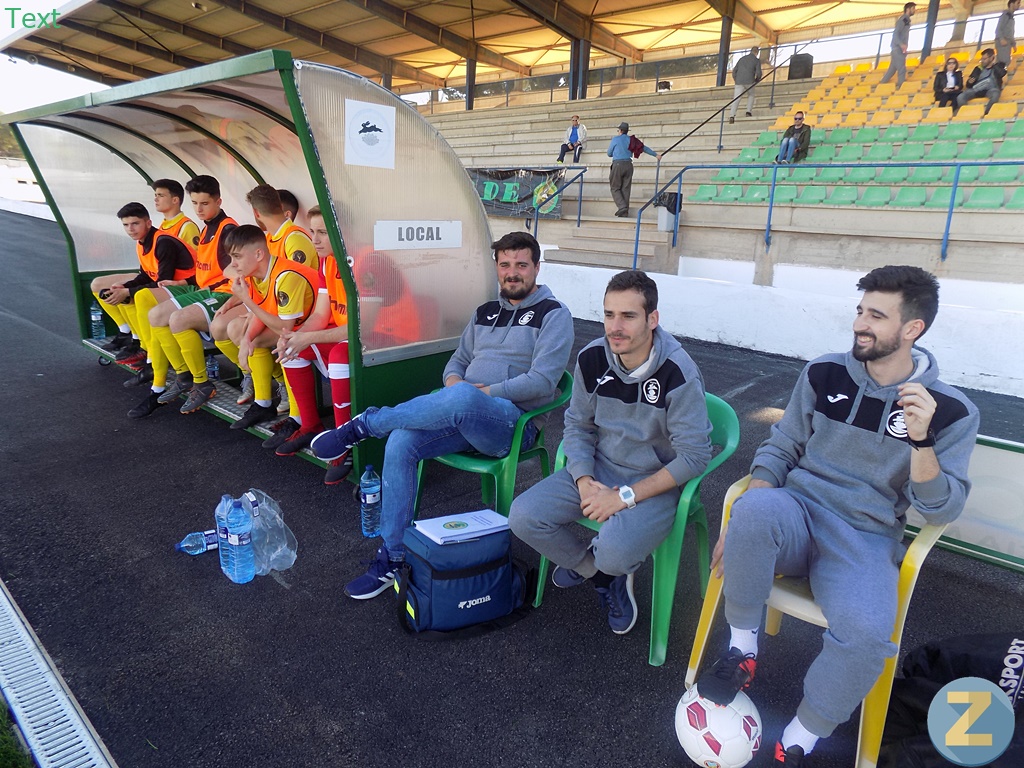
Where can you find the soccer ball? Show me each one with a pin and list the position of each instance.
(718, 737)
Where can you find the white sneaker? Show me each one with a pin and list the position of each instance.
(248, 391)
(284, 406)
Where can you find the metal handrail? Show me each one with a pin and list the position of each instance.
(678, 180)
(579, 203)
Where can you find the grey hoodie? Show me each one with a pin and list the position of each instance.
(621, 428)
(519, 350)
(842, 443)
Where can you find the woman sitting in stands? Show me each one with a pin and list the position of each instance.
(949, 84)
(796, 141)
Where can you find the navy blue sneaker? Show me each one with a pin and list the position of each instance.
(620, 603)
(378, 577)
(730, 674)
(563, 578)
(333, 443)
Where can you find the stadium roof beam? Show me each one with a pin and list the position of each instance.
(741, 14)
(574, 25)
(95, 58)
(333, 44)
(152, 51)
(417, 25)
(185, 30)
(63, 66)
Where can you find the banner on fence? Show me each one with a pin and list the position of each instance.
(515, 192)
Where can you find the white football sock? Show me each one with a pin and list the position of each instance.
(743, 639)
(795, 733)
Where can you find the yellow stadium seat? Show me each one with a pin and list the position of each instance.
(800, 106)
(910, 117)
(846, 105)
(897, 101)
(822, 107)
(1012, 93)
(870, 104)
(842, 69)
(817, 93)
(882, 117)
(863, 66)
(934, 60)
(884, 89)
(860, 91)
(838, 92)
(910, 86)
(831, 120)
(850, 80)
(922, 99)
(782, 123)
(939, 115)
(829, 82)
(1003, 111)
(969, 113)
(913, 61)
(855, 119)
(873, 78)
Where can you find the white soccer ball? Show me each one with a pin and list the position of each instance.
(718, 737)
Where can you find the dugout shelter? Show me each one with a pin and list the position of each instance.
(393, 184)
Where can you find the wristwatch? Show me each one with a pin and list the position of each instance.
(928, 442)
(627, 496)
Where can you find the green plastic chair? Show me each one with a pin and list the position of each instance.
(968, 174)
(800, 174)
(910, 197)
(957, 132)
(1011, 149)
(730, 193)
(843, 196)
(860, 175)
(725, 435)
(940, 198)
(991, 129)
(785, 193)
(851, 153)
(498, 493)
(751, 174)
(925, 132)
(875, 197)
(756, 193)
(985, 198)
(896, 134)
(726, 174)
(929, 175)
(705, 193)
(767, 138)
(822, 154)
(1016, 201)
(817, 136)
(910, 152)
(812, 195)
(868, 134)
(879, 153)
(977, 150)
(830, 174)
(942, 152)
(839, 136)
(748, 155)
(893, 175)
(1016, 130)
(1001, 174)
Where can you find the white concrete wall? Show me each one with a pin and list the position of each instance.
(976, 347)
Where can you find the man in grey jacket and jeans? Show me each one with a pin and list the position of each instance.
(636, 429)
(746, 72)
(900, 43)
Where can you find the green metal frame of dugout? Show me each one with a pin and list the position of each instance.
(329, 136)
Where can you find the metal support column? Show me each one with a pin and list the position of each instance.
(723, 50)
(583, 69)
(929, 29)
(574, 68)
(385, 81)
(470, 82)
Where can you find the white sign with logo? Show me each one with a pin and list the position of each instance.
(369, 134)
(408, 235)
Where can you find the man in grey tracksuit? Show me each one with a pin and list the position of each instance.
(866, 434)
(1005, 41)
(746, 72)
(900, 43)
(636, 429)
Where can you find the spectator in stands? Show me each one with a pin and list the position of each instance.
(746, 72)
(636, 429)
(509, 360)
(949, 84)
(1004, 33)
(622, 150)
(900, 42)
(575, 140)
(796, 141)
(986, 81)
(866, 434)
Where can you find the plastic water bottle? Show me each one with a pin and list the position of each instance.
(212, 368)
(198, 542)
(243, 563)
(369, 502)
(96, 321)
(220, 517)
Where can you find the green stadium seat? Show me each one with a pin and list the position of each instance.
(875, 197)
(985, 198)
(867, 135)
(1016, 132)
(968, 174)
(1016, 201)
(705, 193)
(927, 175)
(1011, 149)
(822, 154)
(751, 174)
(832, 174)
(893, 175)
(730, 193)
(1000, 174)
(814, 195)
(879, 153)
(851, 153)
(940, 198)
(726, 174)
(977, 149)
(748, 155)
(843, 196)
(896, 134)
(839, 136)
(942, 152)
(925, 132)
(799, 174)
(910, 153)
(860, 175)
(817, 135)
(991, 129)
(785, 193)
(956, 132)
(767, 138)
(756, 193)
(910, 197)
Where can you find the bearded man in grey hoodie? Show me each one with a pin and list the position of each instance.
(636, 430)
(866, 434)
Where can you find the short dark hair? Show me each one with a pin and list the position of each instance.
(989, 52)
(265, 199)
(289, 201)
(918, 289)
(204, 185)
(635, 280)
(171, 186)
(133, 211)
(241, 236)
(908, 6)
(517, 241)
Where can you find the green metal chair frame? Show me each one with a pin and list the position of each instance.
(502, 471)
(725, 434)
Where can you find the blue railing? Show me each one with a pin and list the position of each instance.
(565, 185)
(677, 180)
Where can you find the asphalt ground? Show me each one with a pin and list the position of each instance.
(176, 666)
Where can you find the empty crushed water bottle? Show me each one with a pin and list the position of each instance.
(212, 368)
(369, 502)
(198, 542)
(242, 562)
(97, 329)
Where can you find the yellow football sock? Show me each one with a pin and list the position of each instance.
(128, 310)
(113, 310)
(145, 301)
(229, 348)
(261, 364)
(191, 345)
(162, 335)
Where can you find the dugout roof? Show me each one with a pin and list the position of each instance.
(425, 44)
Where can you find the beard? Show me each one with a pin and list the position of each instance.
(516, 291)
(877, 351)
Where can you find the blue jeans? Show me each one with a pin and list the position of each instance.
(457, 418)
(788, 148)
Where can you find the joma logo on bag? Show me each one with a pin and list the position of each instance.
(474, 601)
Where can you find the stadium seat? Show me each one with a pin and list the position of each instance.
(837, 92)
(785, 193)
(866, 135)
(939, 115)
(942, 152)
(875, 197)
(990, 129)
(862, 175)
(921, 100)
(979, 149)
(767, 138)
(832, 174)
(983, 198)
(748, 155)
(843, 196)
(855, 119)
(839, 136)
(910, 197)
(928, 175)
(1016, 130)
(1016, 201)
(726, 174)
(913, 61)
(842, 69)
(756, 193)
(970, 113)
(800, 106)
(831, 120)
(860, 92)
(897, 101)
(846, 105)
(782, 123)
(912, 88)
(1002, 111)
(751, 174)
(956, 132)
(910, 153)
(1011, 93)
(862, 66)
(851, 153)
(909, 117)
(792, 596)
(896, 134)
(882, 117)
(1011, 149)
(725, 435)
(893, 175)
(817, 93)
(812, 194)
(873, 77)
(924, 132)
(885, 89)
(822, 154)
(705, 193)
(822, 106)
(940, 198)
(879, 153)
(870, 104)
(730, 193)
(818, 135)
(1000, 174)
(800, 174)
(968, 174)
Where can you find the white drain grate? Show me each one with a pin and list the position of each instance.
(54, 726)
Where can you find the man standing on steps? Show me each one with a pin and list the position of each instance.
(622, 150)
(1005, 41)
(900, 43)
(746, 72)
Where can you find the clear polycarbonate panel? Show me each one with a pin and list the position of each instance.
(88, 184)
(263, 89)
(409, 216)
